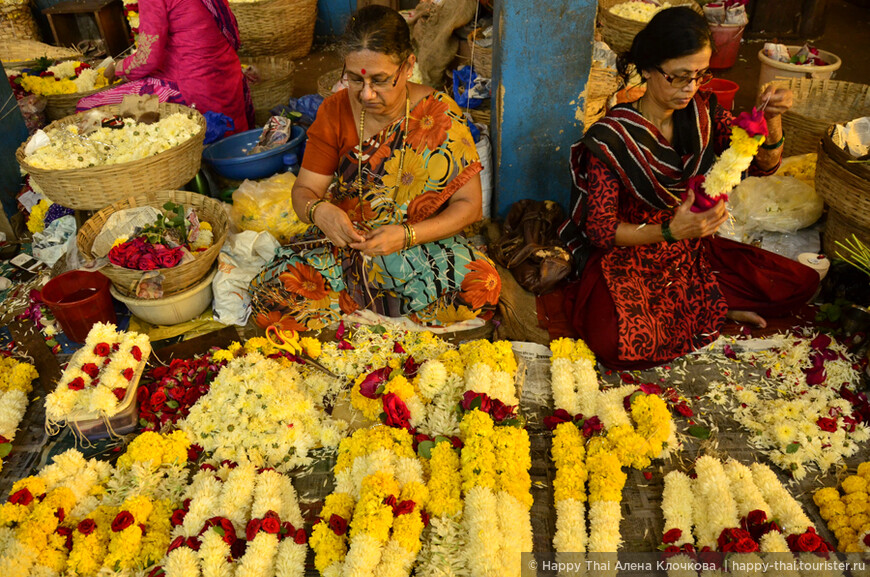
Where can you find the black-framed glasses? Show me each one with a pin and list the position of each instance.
(683, 81)
(388, 83)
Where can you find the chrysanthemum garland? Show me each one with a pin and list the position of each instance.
(15, 385)
(256, 411)
(569, 488)
(848, 515)
(98, 377)
(573, 377)
(490, 368)
(798, 413)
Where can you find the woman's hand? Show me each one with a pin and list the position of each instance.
(688, 224)
(109, 72)
(336, 225)
(778, 100)
(382, 240)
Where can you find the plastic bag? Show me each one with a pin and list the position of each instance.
(774, 203)
(54, 242)
(267, 205)
(216, 126)
(240, 260)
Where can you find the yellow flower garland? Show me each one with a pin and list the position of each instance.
(328, 547)
(848, 515)
(16, 375)
(568, 455)
(444, 481)
(513, 461)
(156, 448)
(478, 457)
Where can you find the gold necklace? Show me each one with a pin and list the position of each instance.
(362, 126)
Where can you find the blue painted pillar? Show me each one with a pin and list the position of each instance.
(12, 133)
(541, 60)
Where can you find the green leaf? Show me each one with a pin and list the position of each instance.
(382, 417)
(379, 329)
(510, 423)
(171, 403)
(476, 403)
(144, 423)
(219, 530)
(5, 449)
(424, 449)
(699, 432)
(792, 448)
(440, 439)
(380, 390)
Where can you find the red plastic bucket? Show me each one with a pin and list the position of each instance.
(726, 44)
(724, 91)
(79, 299)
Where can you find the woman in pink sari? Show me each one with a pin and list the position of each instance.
(187, 55)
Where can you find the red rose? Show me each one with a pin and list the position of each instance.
(369, 385)
(867, 539)
(252, 529)
(470, 399)
(410, 367)
(60, 514)
(389, 501)
(157, 572)
(558, 417)
(137, 354)
(178, 517)
(301, 537)
(122, 520)
(176, 543)
(685, 410)
(102, 349)
(338, 524)
(271, 526)
(808, 542)
(21, 497)
(456, 442)
(147, 262)
(67, 533)
(193, 452)
(829, 425)
(746, 545)
(672, 536)
(756, 517)
(500, 411)
(77, 384)
(591, 426)
(142, 396)
(91, 370)
(128, 373)
(238, 548)
(404, 508)
(397, 412)
(87, 526)
(229, 535)
(752, 122)
(425, 517)
(119, 393)
(193, 543)
(158, 399)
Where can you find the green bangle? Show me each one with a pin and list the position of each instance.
(774, 146)
(313, 208)
(666, 232)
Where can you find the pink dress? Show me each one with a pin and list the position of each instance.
(184, 55)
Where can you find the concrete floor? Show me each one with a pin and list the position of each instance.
(847, 34)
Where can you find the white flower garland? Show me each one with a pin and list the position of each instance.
(678, 506)
(746, 494)
(714, 506)
(784, 507)
(13, 405)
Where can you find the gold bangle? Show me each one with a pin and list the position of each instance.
(407, 232)
(413, 236)
(313, 208)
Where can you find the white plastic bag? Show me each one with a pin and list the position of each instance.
(774, 203)
(484, 150)
(240, 260)
(54, 242)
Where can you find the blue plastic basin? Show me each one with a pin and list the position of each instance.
(229, 158)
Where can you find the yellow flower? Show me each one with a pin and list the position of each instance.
(568, 456)
(16, 375)
(372, 516)
(833, 508)
(328, 547)
(513, 461)
(120, 240)
(575, 350)
(854, 484)
(444, 481)
(36, 220)
(312, 347)
(606, 478)
(203, 225)
(222, 355)
(461, 144)
(824, 496)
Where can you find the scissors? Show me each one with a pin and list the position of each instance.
(288, 341)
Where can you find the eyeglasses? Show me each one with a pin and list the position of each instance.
(388, 83)
(683, 81)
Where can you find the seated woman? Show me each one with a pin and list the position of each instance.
(390, 178)
(186, 55)
(657, 283)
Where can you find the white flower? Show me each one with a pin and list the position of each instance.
(484, 537)
(181, 562)
(677, 506)
(570, 526)
(13, 404)
(604, 519)
(774, 542)
(746, 495)
(431, 378)
(714, 507)
(290, 560)
(784, 507)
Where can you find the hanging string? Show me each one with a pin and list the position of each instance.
(473, 42)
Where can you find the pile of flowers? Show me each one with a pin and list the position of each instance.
(638, 10)
(165, 243)
(275, 421)
(97, 379)
(70, 148)
(747, 135)
(131, 11)
(804, 412)
(15, 385)
(848, 515)
(731, 508)
(69, 77)
(44, 213)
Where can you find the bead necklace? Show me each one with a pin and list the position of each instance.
(362, 125)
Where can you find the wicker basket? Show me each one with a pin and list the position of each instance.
(178, 278)
(481, 115)
(838, 228)
(16, 21)
(276, 27)
(481, 56)
(274, 87)
(95, 187)
(20, 53)
(844, 185)
(619, 32)
(326, 81)
(602, 83)
(817, 105)
(59, 106)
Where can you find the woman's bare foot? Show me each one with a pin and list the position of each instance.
(747, 317)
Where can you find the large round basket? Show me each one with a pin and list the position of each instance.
(16, 21)
(839, 228)
(817, 105)
(844, 185)
(95, 187)
(274, 87)
(326, 81)
(481, 56)
(276, 27)
(619, 32)
(176, 279)
(20, 53)
(602, 84)
(58, 106)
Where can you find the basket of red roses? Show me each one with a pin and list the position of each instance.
(178, 240)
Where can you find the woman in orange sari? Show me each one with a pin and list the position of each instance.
(390, 178)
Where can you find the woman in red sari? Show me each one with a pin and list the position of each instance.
(656, 283)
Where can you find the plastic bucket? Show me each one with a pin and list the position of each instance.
(79, 299)
(773, 69)
(724, 91)
(726, 39)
